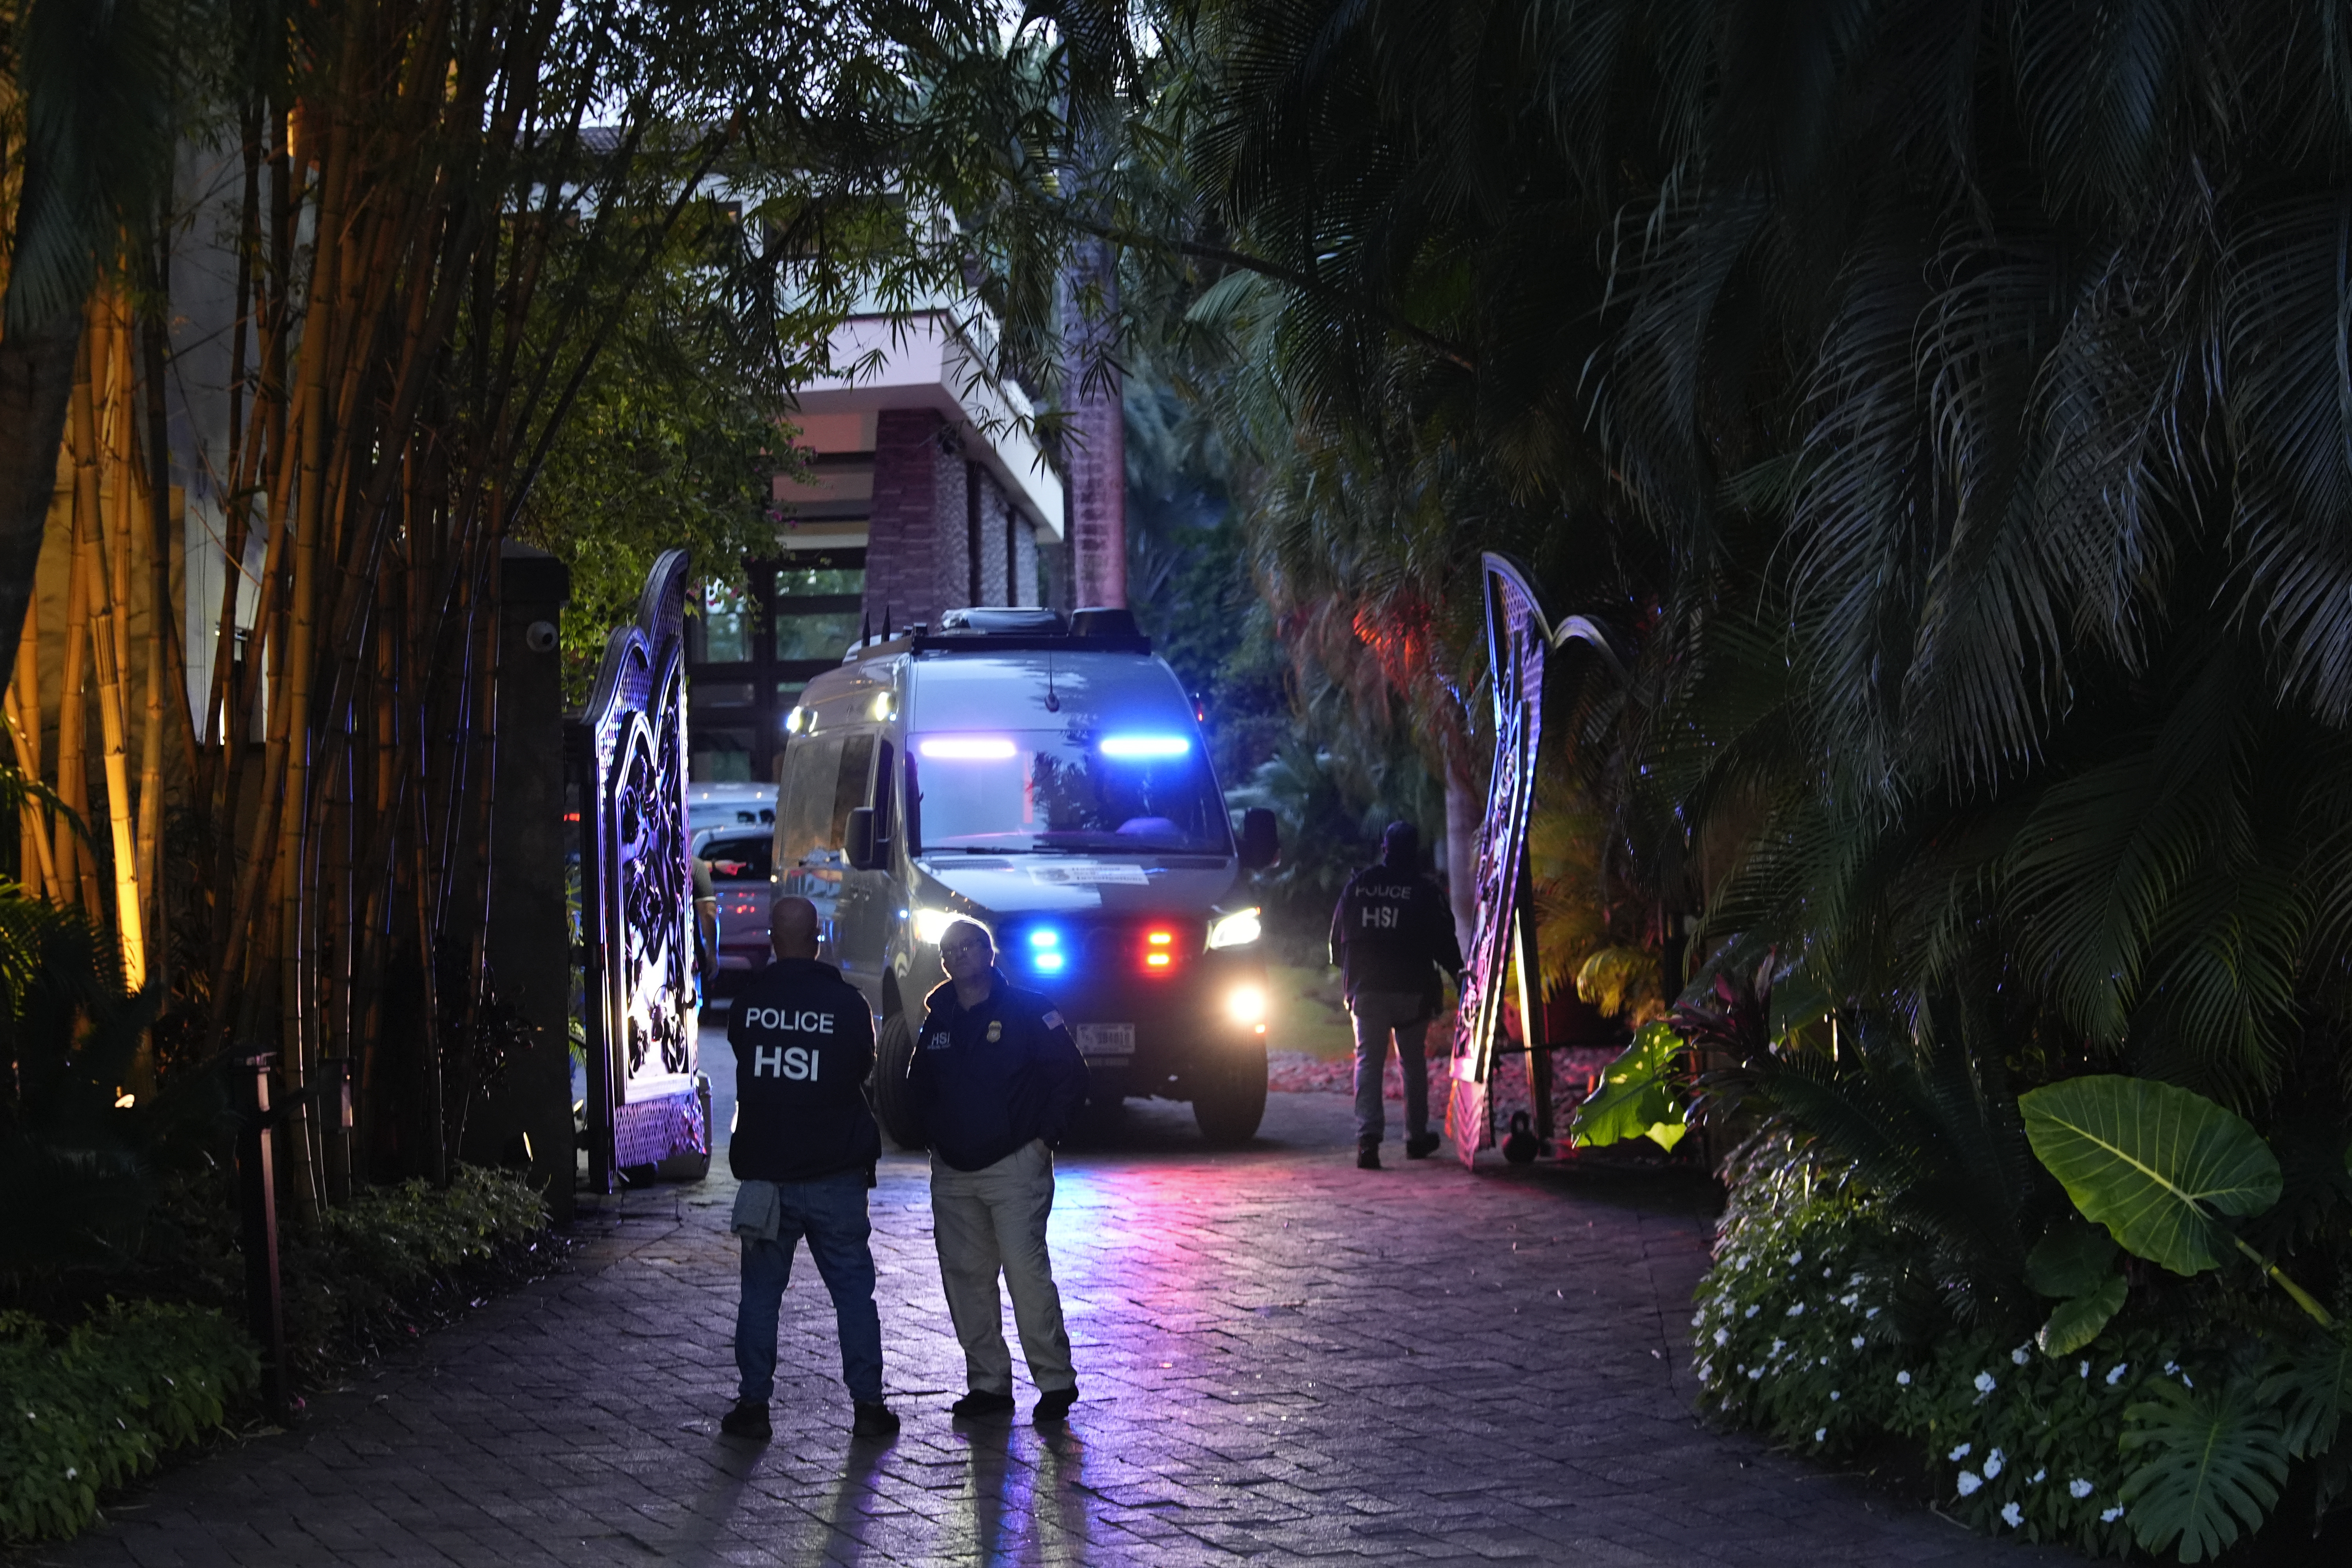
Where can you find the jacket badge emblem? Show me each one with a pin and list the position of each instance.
(995, 1031)
(939, 1041)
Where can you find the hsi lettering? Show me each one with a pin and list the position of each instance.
(798, 1063)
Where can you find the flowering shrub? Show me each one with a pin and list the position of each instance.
(1819, 1326)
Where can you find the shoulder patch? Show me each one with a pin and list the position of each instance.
(1053, 1019)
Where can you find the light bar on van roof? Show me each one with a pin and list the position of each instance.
(1145, 745)
(966, 748)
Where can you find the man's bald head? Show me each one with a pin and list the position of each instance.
(791, 926)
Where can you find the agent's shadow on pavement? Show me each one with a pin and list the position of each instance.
(844, 1511)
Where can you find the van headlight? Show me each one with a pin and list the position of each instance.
(932, 924)
(1246, 1004)
(1236, 930)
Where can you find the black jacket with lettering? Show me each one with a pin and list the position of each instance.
(1392, 932)
(985, 1080)
(804, 1044)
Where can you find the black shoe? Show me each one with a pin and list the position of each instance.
(1423, 1147)
(747, 1420)
(979, 1402)
(1054, 1405)
(875, 1420)
(1367, 1156)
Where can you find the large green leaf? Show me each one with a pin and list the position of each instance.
(2078, 1320)
(1635, 1097)
(2316, 1384)
(2216, 1459)
(2153, 1163)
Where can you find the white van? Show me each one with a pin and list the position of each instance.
(1049, 782)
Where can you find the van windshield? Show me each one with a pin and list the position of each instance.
(1047, 791)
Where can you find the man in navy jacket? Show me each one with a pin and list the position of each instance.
(803, 1148)
(996, 1082)
(1390, 934)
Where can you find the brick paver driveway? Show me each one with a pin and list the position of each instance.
(1282, 1358)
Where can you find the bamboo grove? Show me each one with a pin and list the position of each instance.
(437, 212)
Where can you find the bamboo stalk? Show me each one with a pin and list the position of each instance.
(73, 706)
(107, 638)
(37, 860)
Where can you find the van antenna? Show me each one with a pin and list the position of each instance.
(1053, 698)
(866, 629)
(885, 620)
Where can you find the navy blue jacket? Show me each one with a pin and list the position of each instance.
(985, 1080)
(1392, 932)
(804, 1044)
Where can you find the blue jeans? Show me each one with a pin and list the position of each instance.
(831, 1213)
(1379, 1014)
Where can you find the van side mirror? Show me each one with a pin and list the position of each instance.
(1260, 846)
(863, 850)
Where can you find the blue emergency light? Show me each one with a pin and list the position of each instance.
(1045, 953)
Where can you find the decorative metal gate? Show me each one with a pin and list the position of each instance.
(1519, 638)
(626, 758)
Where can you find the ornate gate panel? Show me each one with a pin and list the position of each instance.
(627, 758)
(1519, 638)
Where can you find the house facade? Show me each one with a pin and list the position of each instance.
(923, 493)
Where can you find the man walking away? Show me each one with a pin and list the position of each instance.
(804, 1148)
(1390, 936)
(995, 1082)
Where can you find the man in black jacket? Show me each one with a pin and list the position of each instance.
(803, 1148)
(995, 1082)
(1390, 934)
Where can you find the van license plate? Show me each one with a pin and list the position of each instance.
(1106, 1039)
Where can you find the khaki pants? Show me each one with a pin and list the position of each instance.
(990, 1221)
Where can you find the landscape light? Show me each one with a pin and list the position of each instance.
(967, 748)
(1145, 746)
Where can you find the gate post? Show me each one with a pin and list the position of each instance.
(526, 1120)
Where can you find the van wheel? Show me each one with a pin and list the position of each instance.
(893, 1050)
(1232, 1101)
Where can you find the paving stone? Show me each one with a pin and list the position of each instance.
(1283, 1360)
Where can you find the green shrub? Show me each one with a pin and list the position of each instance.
(100, 1408)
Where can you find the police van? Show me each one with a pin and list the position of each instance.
(1048, 781)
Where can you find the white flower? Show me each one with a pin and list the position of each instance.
(2018, 1355)
(1698, 1320)
(1753, 1308)
(1825, 1361)
(1827, 1272)
(1969, 1482)
(1849, 1298)
(2011, 1515)
(1796, 1257)
(1993, 1462)
(1798, 1310)
(1820, 1433)
(1903, 1380)
(2116, 1372)
(1872, 1313)
(2170, 1367)
(2112, 1514)
(1722, 1336)
(2038, 1476)
(71, 1472)
(1962, 1452)
(1857, 1341)
(1985, 1384)
(2078, 1487)
(2083, 1369)
(2184, 1382)
(1779, 1345)
(1754, 1372)
(1833, 1396)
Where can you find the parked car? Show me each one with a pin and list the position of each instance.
(741, 863)
(729, 805)
(1049, 782)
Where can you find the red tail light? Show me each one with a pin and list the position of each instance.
(1159, 952)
